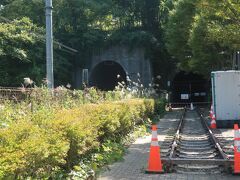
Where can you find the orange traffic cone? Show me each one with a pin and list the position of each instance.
(236, 149)
(213, 122)
(154, 162)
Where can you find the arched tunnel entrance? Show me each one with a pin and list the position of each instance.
(189, 87)
(105, 75)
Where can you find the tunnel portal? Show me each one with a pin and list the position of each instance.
(106, 75)
(189, 87)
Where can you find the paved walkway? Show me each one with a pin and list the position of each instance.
(135, 161)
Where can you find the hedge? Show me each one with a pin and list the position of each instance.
(45, 143)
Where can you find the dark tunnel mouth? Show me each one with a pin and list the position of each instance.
(106, 75)
(189, 87)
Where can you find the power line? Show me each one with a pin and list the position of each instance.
(70, 50)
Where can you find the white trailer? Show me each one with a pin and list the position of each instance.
(226, 97)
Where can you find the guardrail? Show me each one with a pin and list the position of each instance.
(14, 93)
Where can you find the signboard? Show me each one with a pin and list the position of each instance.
(203, 94)
(184, 96)
(196, 94)
(169, 83)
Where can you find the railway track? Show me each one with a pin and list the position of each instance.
(194, 148)
(225, 139)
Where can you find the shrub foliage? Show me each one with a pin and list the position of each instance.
(43, 142)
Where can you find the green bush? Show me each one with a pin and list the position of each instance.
(43, 142)
(28, 150)
(159, 106)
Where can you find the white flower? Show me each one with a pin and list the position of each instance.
(129, 96)
(134, 91)
(118, 76)
(1, 107)
(4, 125)
(135, 84)
(128, 79)
(68, 86)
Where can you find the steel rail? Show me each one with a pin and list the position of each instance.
(171, 160)
(176, 138)
(14, 90)
(212, 137)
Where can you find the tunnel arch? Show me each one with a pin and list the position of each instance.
(106, 75)
(189, 87)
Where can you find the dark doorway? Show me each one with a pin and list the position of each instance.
(106, 75)
(189, 87)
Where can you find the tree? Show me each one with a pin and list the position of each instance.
(203, 34)
(18, 46)
(223, 22)
(178, 29)
(94, 24)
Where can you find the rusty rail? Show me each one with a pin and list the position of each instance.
(14, 93)
(176, 138)
(212, 137)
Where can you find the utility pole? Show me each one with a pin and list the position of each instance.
(238, 60)
(49, 44)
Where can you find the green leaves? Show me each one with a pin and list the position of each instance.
(15, 37)
(19, 42)
(85, 25)
(203, 34)
(178, 28)
(43, 142)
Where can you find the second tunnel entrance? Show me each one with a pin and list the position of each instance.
(189, 87)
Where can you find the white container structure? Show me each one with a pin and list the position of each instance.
(226, 95)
